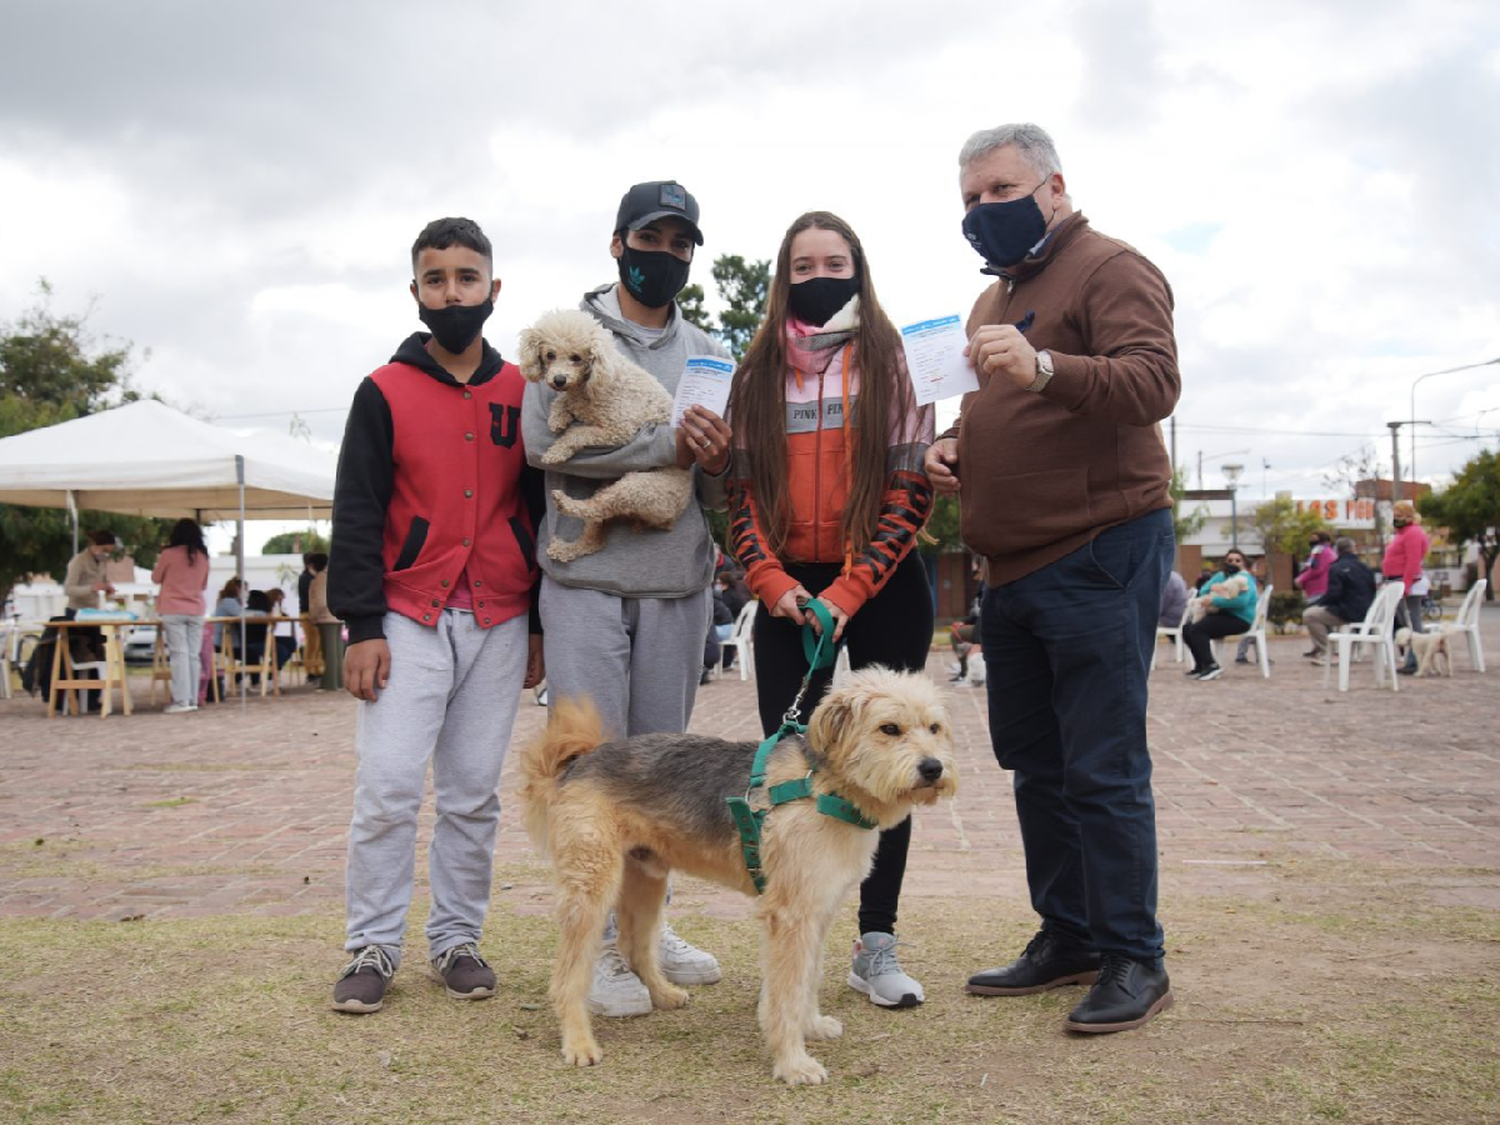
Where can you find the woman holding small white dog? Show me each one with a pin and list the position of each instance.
(826, 499)
(1228, 601)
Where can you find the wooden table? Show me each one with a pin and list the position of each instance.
(66, 681)
(267, 669)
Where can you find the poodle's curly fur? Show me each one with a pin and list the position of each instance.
(602, 400)
(1431, 649)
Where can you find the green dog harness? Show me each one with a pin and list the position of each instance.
(821, 653)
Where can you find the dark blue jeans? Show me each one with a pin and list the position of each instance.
(1067, 652)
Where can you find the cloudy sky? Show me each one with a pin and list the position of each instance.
(236, 187)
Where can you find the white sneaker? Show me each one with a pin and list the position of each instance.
(682, 963)
(875, 971)
(616, 992)
(178, 708)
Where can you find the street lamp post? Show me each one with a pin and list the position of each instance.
(1215, 457)
(1411, 463)
(1232, 473)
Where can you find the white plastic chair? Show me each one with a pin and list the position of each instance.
(1375, 630)
(1256, 632)
(1174, 633)
(742, 640)
(8, 639)
(1468, 623)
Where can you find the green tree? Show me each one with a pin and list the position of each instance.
(53, 369)
(1184, 525)
(1470, 509)
(1282, 529)
(744, 287)
(690, 301)
(305, 541)
(942, 527)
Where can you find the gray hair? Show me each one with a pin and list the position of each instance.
(1031, 141)
(1344, 545)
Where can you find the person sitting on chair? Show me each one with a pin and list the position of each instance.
(1225, 616)
(1347, 597)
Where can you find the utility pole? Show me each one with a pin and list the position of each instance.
(1173, 427)
(1395, 428)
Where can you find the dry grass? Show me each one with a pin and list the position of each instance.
(1287, 1012)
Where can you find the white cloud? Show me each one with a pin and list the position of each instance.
(240, 186)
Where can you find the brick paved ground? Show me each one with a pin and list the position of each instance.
(244, 809)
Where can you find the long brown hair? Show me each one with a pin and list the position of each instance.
(757, 401)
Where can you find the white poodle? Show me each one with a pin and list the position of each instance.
(603, 400)
(1229, 588)
(1431, 648)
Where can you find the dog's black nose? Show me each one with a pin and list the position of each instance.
(930, 768)
(559, 381)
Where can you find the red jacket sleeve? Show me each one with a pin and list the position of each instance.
(764, 574)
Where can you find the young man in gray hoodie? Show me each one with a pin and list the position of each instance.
(625, 625)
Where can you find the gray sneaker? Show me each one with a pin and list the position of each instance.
(684, 963)
(616, 992)
(361, 984)
(876, 972)
(467, 975)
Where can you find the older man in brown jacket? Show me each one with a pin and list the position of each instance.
(1064, 481)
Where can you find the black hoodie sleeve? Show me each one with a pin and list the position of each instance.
(361, 495)
(534, 493)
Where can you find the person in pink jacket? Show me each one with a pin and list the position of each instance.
(1403, 563)
(1312, 580)
(182, 571)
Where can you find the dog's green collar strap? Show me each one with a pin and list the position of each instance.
(820, 654)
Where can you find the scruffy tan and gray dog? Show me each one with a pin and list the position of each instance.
(617, 817)
(603, 400)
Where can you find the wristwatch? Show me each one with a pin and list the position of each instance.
(1044, 372)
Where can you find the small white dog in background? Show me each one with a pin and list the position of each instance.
(1431, 649)
(603, 399)
(1231, 587)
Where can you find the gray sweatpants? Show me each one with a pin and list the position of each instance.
(638, 659)
(452, 699)
(184, 635)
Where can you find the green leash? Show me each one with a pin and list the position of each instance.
(821, 652)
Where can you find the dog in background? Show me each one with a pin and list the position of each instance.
(1433, 658)
(603, 399)
(615, 817)
(1231, 587)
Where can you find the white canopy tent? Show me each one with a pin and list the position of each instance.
(146, 459)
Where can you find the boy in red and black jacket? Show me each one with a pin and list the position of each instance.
(433, 569)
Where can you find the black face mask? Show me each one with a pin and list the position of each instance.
(1004, 233)
(455, 326)
(653, 277)
(1231, 570)
(816, 300)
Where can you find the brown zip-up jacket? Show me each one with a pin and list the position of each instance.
(1043, 473)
